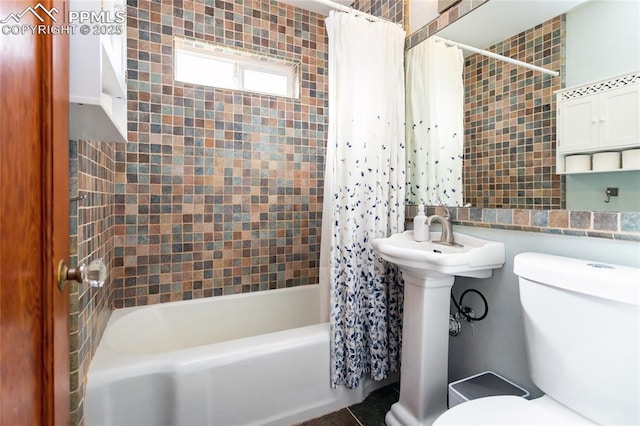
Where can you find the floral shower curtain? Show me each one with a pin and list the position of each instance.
(363, 195)
(435, 123)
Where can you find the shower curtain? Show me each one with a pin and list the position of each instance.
(363, 195)
(435, 124)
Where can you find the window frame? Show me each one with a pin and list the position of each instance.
(242, 61)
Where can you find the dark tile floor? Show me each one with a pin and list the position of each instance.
(369, 412)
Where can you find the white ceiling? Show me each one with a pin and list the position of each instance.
(314, 6)
(497, 20)
(421, 12)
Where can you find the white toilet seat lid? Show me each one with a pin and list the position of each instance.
(504, 410)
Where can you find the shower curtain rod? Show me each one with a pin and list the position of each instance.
(370, 17)
(496, 56)
(348, 9)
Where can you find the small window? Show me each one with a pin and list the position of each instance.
(218, 66)
(191, 67)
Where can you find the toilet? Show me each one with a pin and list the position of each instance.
(582, 328)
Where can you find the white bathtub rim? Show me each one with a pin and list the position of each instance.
(108, 366)
(125, 321)
(116, 314)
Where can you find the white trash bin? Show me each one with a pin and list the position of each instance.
(482, 385)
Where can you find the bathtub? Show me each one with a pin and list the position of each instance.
(250, 359)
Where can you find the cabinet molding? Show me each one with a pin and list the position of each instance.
(601, 86)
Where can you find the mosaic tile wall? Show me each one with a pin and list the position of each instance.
(92, 229)
(392, 10)
(219, 191)
(510, 123)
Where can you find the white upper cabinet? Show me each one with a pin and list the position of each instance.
(577, 124)
(97, 69)
(600, 116)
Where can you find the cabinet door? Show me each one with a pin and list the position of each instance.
(578, 124)
(619, 118)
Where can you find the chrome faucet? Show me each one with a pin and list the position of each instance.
(446, 237)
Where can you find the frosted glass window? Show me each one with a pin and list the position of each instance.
(197, 64)
(258, 81)
(201, 69)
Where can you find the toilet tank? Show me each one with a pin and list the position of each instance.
(582, 327)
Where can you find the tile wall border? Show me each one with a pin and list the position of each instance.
(623, 226)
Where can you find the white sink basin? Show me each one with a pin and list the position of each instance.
(476, 258)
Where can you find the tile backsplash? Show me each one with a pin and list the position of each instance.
(610, 225)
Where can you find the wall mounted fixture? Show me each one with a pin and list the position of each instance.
(610, 192)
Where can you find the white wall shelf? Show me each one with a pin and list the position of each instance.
(97, 69)
(598, 171)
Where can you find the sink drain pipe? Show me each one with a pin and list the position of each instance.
(454, 326)
(465, 312)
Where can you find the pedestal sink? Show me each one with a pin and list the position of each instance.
(429, 270)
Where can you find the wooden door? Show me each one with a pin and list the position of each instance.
(34, 236)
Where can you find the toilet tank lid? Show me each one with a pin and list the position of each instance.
(598, 279)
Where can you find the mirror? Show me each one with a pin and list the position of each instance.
(510, 112)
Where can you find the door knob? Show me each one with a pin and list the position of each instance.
(94, 275)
